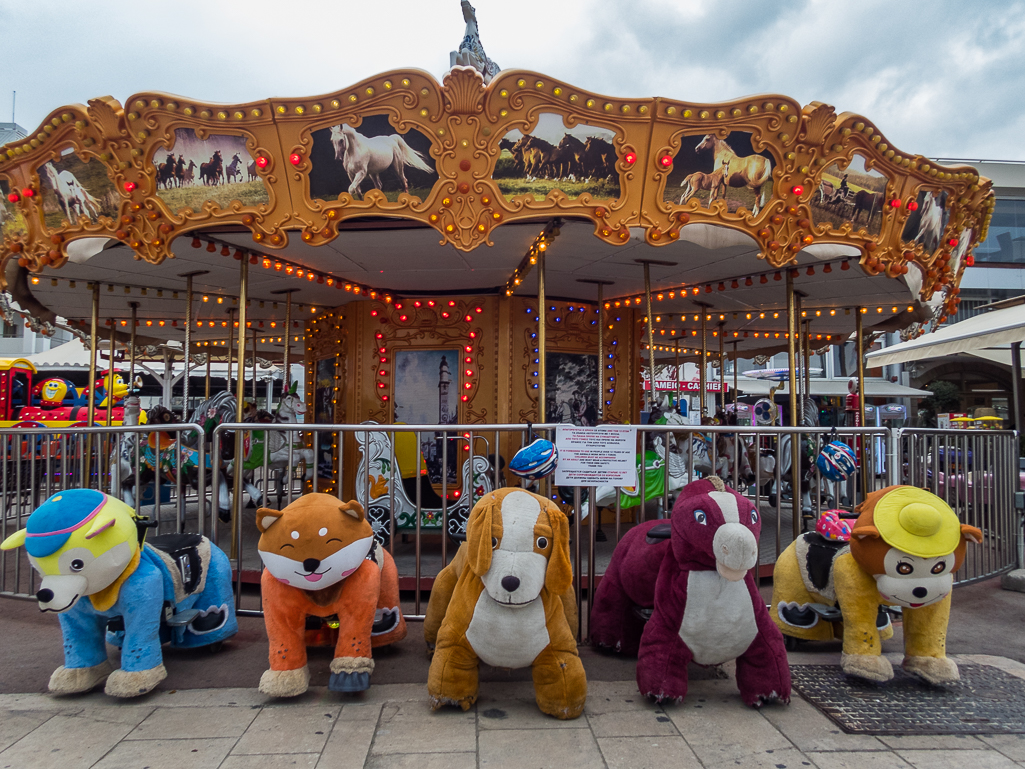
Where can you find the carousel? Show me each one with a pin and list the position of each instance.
(496, 248)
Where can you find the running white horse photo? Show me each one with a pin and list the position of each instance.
(365, 157)
(70, 193)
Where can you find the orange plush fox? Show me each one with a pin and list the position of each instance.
(321, 559)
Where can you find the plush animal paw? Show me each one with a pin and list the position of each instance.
(935, 670)
(871, 667)
(77, 680)
(758, 700)
(285, 683)
(438, 702)
(349, 683)
(133, 683)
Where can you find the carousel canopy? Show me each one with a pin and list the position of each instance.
(388, 189)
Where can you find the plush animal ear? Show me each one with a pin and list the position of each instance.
(559, 576)
(102, 522)
(17, 539)
(478, 536)
(353, 508)
(265, 518)
(866, 532)
(969, 533)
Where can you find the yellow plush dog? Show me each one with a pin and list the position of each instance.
(904, 550)
(505, 608)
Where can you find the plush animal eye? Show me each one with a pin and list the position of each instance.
(903, 567)
(754, 517)
(77, 565)
(939, 567)
(494, 543)
(699, 516)
(542, 543)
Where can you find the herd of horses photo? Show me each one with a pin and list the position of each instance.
(354, 160)
(577, 161)
(217, 168)
(72, 189)
(709, 168)
(850, 194)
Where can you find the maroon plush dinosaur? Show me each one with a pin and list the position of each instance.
(705, 606)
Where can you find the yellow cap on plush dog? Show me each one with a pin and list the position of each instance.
(917, 522)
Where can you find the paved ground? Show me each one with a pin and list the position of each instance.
(391, 726)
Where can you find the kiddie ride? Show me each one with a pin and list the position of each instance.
(56, 402)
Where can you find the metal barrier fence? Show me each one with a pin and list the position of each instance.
(977, 473)
(127, 462)
(421, 522)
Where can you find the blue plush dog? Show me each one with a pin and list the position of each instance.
(175, 589)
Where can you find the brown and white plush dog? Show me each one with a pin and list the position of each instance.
(320, 560)
(506, 608)
(904, 549)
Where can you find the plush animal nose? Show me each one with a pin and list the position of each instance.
(311, 564)
(920, 592)
(510, 583)
(45, 595)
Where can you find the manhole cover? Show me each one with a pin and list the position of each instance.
(986, 701)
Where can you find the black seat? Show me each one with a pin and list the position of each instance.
(659, 533)
(183, 549)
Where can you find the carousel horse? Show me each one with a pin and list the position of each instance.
(160, 454)
(470, 52)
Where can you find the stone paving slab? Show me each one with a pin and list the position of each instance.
(393, 727)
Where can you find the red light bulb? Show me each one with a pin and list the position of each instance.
(295, 158)
(912, 205)
(666, 161)
(797, 189)
(262, 162)
(895, 203)
(129, 186)
(14, 197)
(630, 158)
(28, 192)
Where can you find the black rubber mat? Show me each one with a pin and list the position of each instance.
(986, 701)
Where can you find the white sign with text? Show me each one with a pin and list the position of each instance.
(596, 456)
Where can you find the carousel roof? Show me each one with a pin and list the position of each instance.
(721, 200)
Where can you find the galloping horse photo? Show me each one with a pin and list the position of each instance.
(72, 189)
(367, 157)
(709, 167)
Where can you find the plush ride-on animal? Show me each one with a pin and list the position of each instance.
(905, 547)
(693, 576)
(321, 560)
(506, 608)
(100, 577)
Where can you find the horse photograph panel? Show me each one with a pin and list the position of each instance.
(217, 168)
(926, 224)
(372, 155)
(571, 388)
(12, 223)
(579, 160)
(850, 193)
(72, 189)
(709, 168)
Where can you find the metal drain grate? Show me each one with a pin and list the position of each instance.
(986, 701)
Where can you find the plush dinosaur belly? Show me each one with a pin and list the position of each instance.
(719, 621)
(507, 637)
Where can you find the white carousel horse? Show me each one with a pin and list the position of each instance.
(70, 193)
(370, 156)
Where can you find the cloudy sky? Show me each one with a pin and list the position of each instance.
(941, 77)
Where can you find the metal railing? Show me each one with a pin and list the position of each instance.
(422, 521)
(127, 462)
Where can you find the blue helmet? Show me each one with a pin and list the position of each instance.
(836, 461)
(535, 461)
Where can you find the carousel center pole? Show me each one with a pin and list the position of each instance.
(601, 341)
(542, 322)
(94, 321)
(243, 295)
(231, 342)
(860, 344)
(795, 439)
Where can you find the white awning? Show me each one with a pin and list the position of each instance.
(835, 388)
(991, 329)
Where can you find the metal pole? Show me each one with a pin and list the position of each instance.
(860, 344)
(542, 321)
(1016, 384)
(702, 363)
(651, 333)
(231, 342)
(109, 385)
(131, 344)
(795, 439)
(601, 356)
(188, 344)
(206, 393)
(243, 293)
(800, 348)
(287, 381)
(254, 367)
(91, 412)
(722, 367)
(736, 357)
(677, 364)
